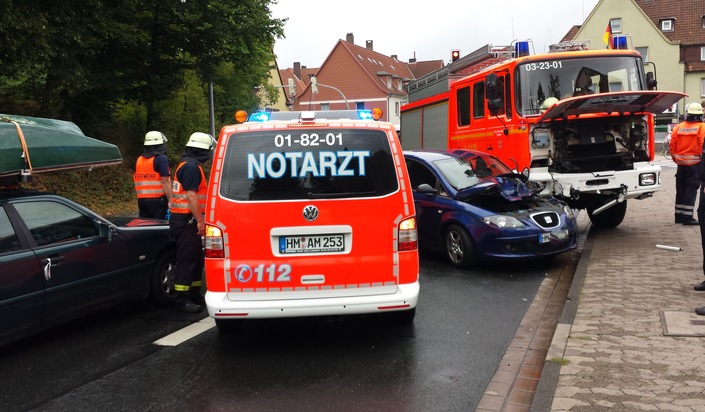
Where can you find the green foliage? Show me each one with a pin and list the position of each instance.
(119, 68)
(80, 60)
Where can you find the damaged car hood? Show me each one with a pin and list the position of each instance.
(632, 102)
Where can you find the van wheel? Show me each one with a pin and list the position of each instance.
(229, 325)
(161, 289)
(460, 249)
(404, 317)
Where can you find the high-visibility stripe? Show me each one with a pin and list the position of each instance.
(179, 203)
(148, 183)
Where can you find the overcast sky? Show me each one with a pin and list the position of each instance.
(427, 30)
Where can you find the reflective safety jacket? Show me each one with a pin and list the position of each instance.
(179, 203)
(687, 143)
(148, 184)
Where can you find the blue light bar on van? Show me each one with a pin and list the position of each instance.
(619, 42)
(364, 114)
(522, 48)
(259, 117)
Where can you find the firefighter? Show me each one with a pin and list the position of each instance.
(152, 177)
(186, 222)
(686, 148)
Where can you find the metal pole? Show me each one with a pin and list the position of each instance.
(211, 109)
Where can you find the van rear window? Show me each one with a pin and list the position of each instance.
(304, 163)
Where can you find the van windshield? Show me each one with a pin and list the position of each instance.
(286, 164)
(563, 78)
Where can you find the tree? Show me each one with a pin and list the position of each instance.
(78, 58)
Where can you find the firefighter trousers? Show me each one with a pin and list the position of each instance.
(188, 270)
(687, 184)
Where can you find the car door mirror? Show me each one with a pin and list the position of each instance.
(426, 189)
(106, 230)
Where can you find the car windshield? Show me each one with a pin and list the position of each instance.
(563, 78)
(464, 172)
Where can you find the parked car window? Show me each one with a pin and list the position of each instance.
(420, 174)
(52, 222)
(8, 237)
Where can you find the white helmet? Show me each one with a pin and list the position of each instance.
(201, 141)
(694, 109)
(550, 101)
(154, 138)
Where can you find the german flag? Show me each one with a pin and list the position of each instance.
(607, 35)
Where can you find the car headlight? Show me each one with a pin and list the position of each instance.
(503, 222)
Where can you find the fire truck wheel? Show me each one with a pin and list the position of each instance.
(609, 218)
(460, 249)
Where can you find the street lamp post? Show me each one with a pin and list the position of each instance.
(314, 89)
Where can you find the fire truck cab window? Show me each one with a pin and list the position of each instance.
(563, 78)
(463, 98)
(478, 100)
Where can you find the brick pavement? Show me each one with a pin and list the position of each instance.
(617, 353)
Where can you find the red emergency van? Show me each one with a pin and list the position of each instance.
(310, 214)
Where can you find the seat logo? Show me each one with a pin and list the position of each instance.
(310, 213)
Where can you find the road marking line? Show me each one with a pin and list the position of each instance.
(190, 331)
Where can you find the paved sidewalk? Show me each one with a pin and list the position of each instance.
(629, 338)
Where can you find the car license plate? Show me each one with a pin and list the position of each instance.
(311, 244)
(544, 238)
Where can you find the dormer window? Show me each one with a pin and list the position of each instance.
(667, 25)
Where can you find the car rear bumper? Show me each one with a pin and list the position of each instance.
(220, 307)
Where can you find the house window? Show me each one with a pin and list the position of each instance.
(702, 87)
(702, 54)
(325, 106)
(666, 25)
(396, 108)
(644, 53)
(389, 82)
(616, 25)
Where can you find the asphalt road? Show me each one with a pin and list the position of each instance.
(443, 362)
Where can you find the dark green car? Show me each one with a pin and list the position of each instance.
(59, 260)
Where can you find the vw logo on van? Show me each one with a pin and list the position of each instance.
(310, 213)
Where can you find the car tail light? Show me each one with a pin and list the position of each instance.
(213, 242)
(408, 237)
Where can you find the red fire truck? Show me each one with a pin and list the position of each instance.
(581, 121)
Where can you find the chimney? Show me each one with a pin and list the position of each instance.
(413, 59)
(368, 45)
(297, 69)
(350, 38)
(394, 56)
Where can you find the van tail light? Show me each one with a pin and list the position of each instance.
(408, 236)
(213, 242)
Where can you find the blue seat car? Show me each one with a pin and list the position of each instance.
(473, 208)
